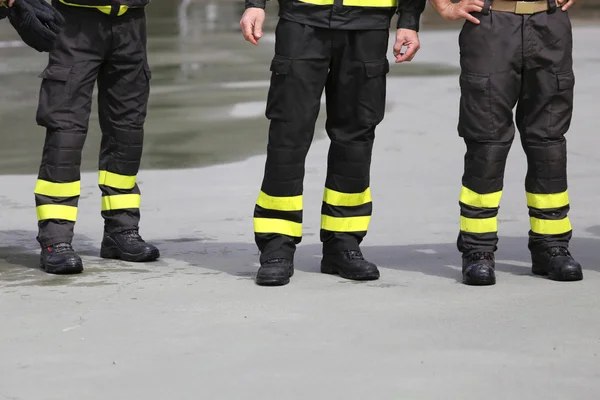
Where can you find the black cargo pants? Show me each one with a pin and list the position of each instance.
(92, 46)
(351, 66)
(522, 60)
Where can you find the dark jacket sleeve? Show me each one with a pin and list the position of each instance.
(409, 13)
(256, 3)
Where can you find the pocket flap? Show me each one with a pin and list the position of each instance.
(56, 72)
(566, 80)
(281, 65)
(377, 68)
(476, 82)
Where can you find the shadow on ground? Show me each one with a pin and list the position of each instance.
(19, 259)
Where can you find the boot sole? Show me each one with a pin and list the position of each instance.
(275, 281)
(116, 254)
(487, 281)
(567, 276)
(71, 268)
(367, 276)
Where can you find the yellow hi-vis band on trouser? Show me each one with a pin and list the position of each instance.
(274, 225)
(116, 181)
(545, 201)
(479, 225)
(474, 199)
(104, 9)
(290, 203)
(345, 224)
(56, 211)
(355, 3)
(121, 201)
(549, 226)
(334, 198)
(52, 189)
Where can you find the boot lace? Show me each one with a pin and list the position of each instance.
(132, 235)
(482, 256)
(558, 251)
(60, 248)
(354, 255)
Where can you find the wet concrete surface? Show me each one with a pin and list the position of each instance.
(194, 325)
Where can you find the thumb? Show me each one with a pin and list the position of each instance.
(258, 25)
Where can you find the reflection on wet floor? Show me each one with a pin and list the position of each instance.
(208, 89)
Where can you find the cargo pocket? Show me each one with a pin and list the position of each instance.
(372, 94)
(475, 120)
(561, 105)
(278, 107)
(55, 98)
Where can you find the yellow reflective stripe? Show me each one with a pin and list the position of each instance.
(542, 201)
(371, 3)
(318, 2)
(46, 188)
(479, 225)
(474, 199)
(115, 180)
(550, 227)
(345, 224)
(120, 201)
(334, 198)
(273, 225)
(290, 203)
(56, 211)
(104, 9)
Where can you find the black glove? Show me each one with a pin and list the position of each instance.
(4, 9)
(36, 22)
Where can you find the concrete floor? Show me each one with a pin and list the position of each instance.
(194, 325)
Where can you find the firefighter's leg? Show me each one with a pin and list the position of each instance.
(298, 74)
(123, 92)
(544, 116)
(356, 99)
(64, 109)
(490, 83)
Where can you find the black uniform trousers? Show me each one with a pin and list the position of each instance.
(351, 66)
(522, 60)
(92, 46)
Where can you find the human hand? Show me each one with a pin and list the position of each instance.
(408, 38)
(252, 23)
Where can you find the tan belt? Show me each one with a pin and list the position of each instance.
(520, 7)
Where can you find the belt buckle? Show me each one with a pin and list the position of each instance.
(524, 7)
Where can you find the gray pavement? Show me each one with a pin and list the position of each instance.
(194, 325)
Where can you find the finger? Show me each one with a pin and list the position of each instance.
(478, 3)
(247, 31)
(404, 57)
(411, 52)
(469, 17)
(398, 47)
(567, 5)
(473, 8)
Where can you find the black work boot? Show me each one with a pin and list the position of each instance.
(128, 246)
(478, 269)
(60, 259)
(349, 264)
(275, 272)
(557, 263)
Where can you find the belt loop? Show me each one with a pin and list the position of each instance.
(487, 4)
(551, 6)
(114, 8)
